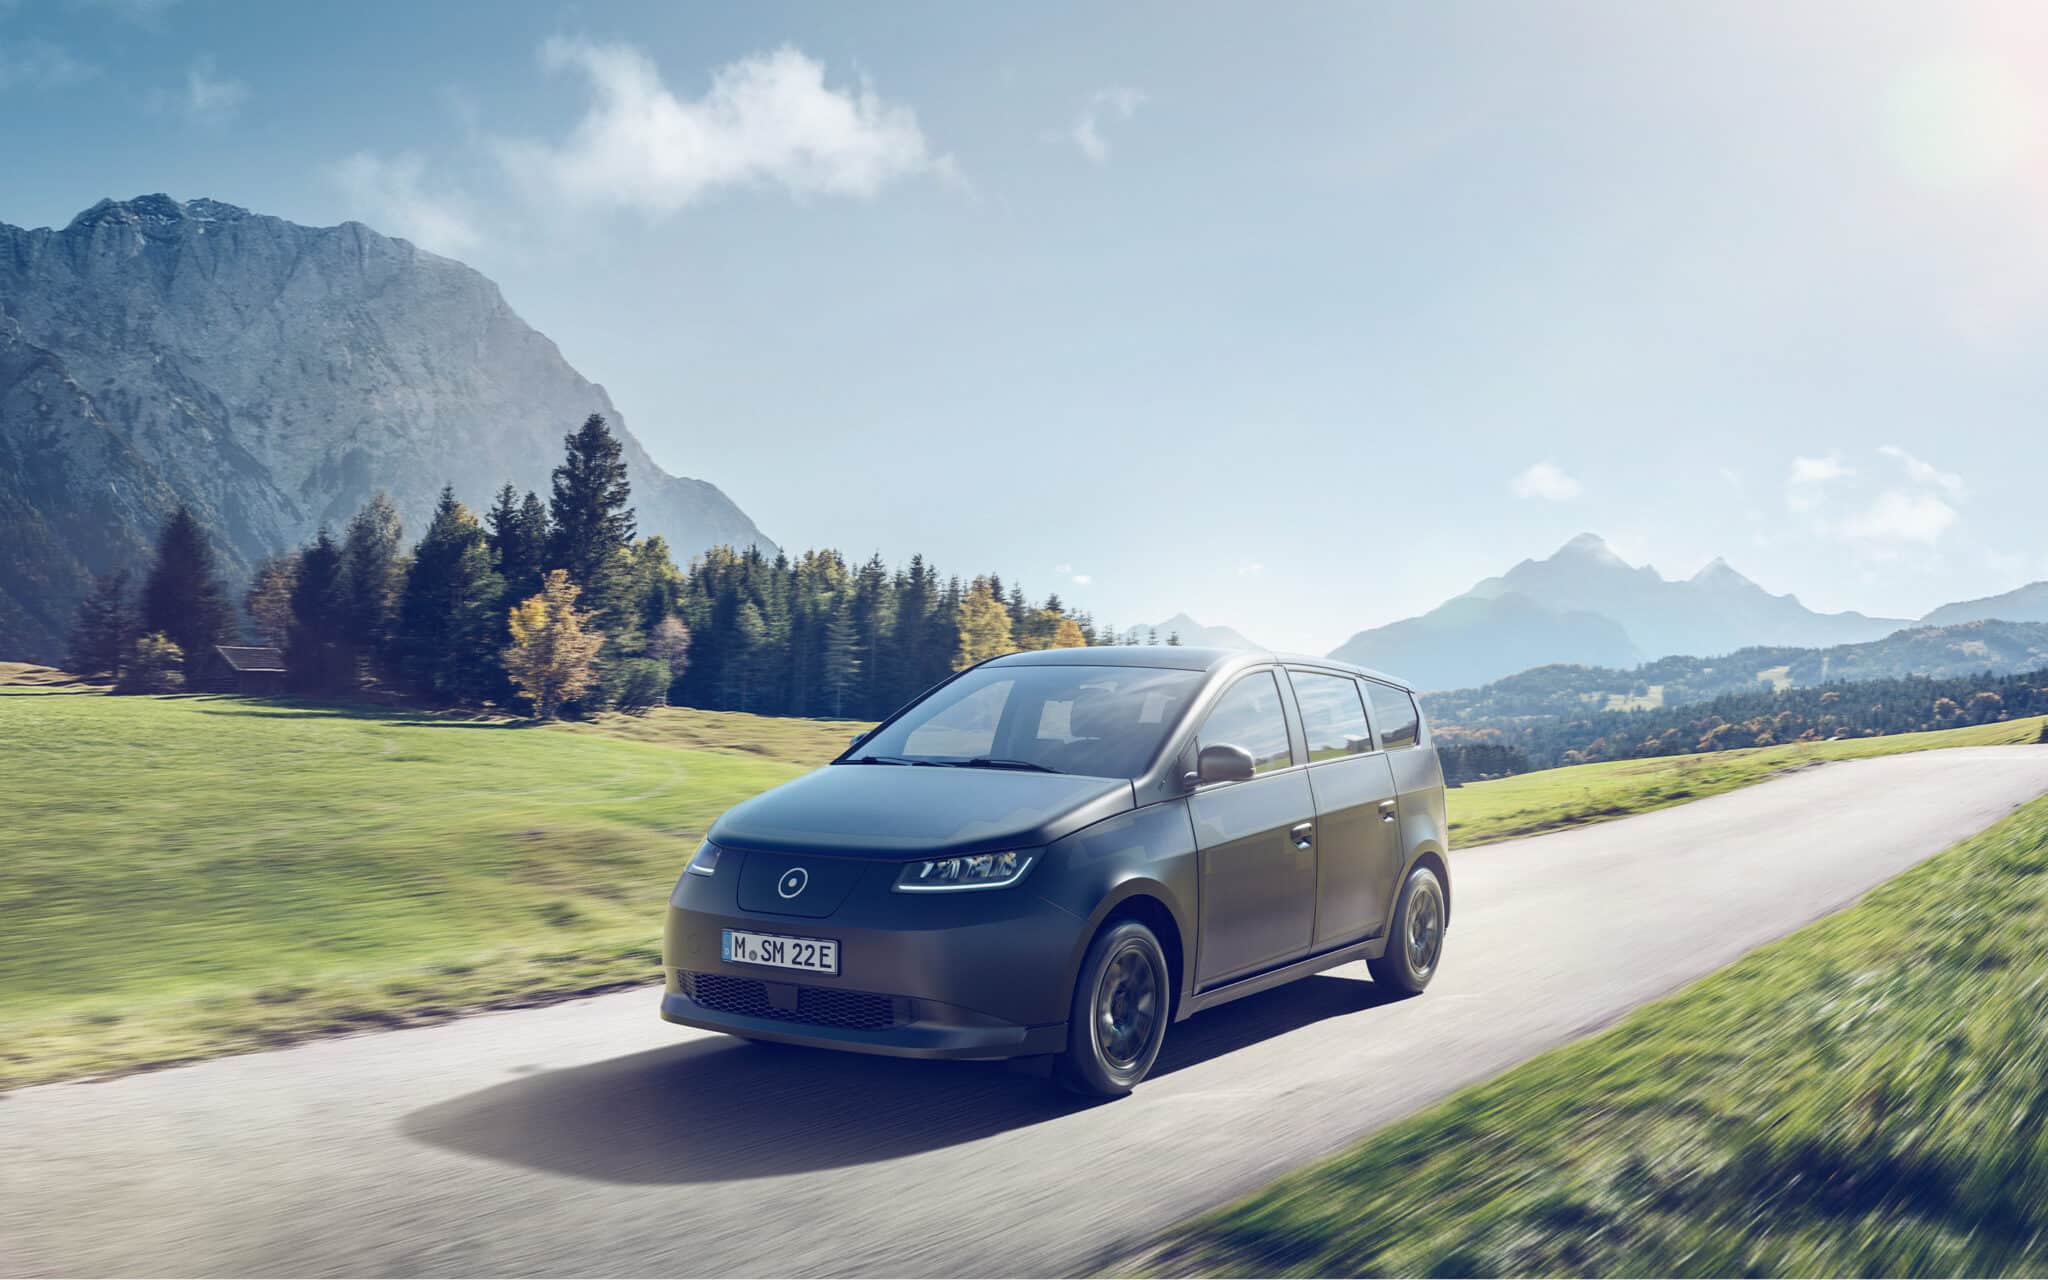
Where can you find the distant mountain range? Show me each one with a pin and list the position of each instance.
(1565, 692)
(1585, 605)
(1194, 634)
(272, 376)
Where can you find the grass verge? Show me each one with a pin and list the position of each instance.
(1532, 803)
(187, 876)
(1868, 1096)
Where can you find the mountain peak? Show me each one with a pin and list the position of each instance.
(1590, 546)
(157, 210)
(1718, 572)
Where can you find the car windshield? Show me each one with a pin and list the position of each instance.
(1106, 722)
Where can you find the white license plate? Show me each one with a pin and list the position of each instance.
(812, 955)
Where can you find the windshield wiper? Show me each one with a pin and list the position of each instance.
(922, 764)
(997, 762)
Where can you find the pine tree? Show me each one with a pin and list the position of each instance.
(184, 597)
(591, 521)
(105, 629)
(842, 657)
(552, 657)
(371, 577)
(318, 657)
(984, 626)
(517, 533)
(269, 598)
(447, 631)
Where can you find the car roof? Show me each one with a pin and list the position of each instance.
(1180, 658)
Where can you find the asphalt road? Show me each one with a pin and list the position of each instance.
(590, 1138)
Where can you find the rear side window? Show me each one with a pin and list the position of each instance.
(1332, 713)
(1249, 716)
(1400, 724)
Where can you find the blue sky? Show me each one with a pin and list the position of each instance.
(1299, 318)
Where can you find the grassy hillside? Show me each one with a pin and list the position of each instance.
(1866, 1097)
(1554, 798)
(180, 875)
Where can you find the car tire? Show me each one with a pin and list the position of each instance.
(1415, 945)
(1123, 1000)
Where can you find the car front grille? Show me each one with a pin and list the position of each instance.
(819, 1006)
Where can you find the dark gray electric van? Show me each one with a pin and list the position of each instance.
(1062, 852)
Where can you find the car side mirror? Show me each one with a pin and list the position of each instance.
(1223, 762)
(859, 738)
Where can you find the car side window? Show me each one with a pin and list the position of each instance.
(1249, 716)
(1400, 724)
(1333, 714)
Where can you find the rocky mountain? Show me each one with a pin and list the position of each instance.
(272, 376)
(2022, 604)
(1584, 604)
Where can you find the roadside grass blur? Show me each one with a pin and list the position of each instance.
(1868, 1096)
(183, 876)
(1531, 803)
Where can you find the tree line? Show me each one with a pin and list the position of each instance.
(1865, 708)
(559, 605)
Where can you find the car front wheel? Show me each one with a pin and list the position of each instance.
(1415, 945)
(1122, 1001)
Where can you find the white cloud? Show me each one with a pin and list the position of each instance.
(767, 119)
(1249, 568)
(38, 64)
(1925, 473)
(1117, 103)
(1083, 579)
(1895, 517)
(206, 96)
(1547, 481)
(1809, 476)
(1818, 470)
(1063, 568)
(392, 194)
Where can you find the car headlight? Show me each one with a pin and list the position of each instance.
(706, 861)
(977, 871)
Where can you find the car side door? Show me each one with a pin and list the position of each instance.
(1255, 839)
(1358, 833)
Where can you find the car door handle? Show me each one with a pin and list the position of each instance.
(1303, 834)
(1389, 810)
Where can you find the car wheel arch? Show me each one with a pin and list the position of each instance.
(1147, 902)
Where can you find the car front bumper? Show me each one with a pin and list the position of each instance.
(984, 974)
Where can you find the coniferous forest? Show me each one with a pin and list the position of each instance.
(556, 606)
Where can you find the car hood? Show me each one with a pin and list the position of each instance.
(911, 811)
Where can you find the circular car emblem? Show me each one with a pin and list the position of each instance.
(793, 882)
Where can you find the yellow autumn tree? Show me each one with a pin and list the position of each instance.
(983, 622)
(553, 655)
(1067, 635)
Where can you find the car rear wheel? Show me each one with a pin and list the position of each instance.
(1122, 1001)
(1415, 945)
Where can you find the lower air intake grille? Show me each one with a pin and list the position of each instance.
(820, 1006)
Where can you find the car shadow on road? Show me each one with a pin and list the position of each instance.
(713, 1110)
